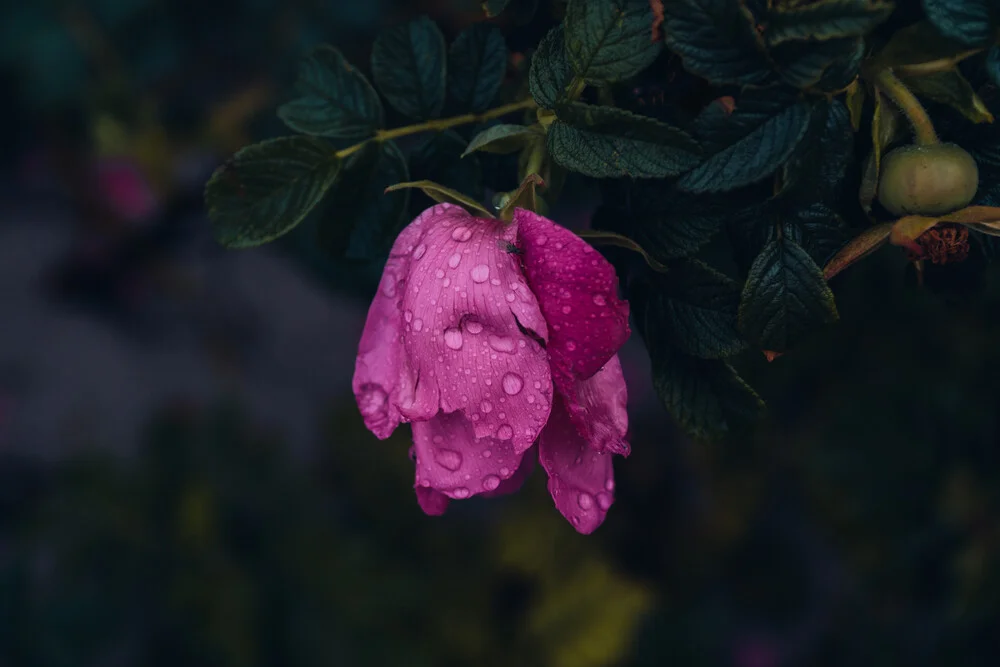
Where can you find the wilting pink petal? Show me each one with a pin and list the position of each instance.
(577, 291)
(597, 407)
(520, 475)
(382, 376)
(433, 503)
(465, 303)
(450, 459)
(581, 479)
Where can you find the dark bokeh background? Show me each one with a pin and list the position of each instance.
(185, 480)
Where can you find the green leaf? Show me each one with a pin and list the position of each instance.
(706, 397)
(361, 221)
(438, 158)
(816, 168)
(609, 40)
(993, 65)
(972, 22)
(268, 188)
(671, 224)
(524, 197)
(830, 65)
(750, 144)
(477, 62)
(494, 7)
(951, 88)
(695, 307)
(605, 142)
(408, 64)
(335, 100)
(442, 194)
(785, 297)
(717, 40)
(915, 45)
(550, 73)
(826, 19)
(504, 139)
(818, 229)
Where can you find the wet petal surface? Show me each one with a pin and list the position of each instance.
(597, 407)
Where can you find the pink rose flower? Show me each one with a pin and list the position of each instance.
(490, 337)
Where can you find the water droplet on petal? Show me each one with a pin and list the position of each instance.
(541, 239)
(418, 324)
(408, 316)
(461, 492)
(610, 485)
(570, 345)
(505, 432)
(448, 458)
(461, 234)
(446, 282)
(453, 338)
(473, 326)
(494, 281)
(372, 401)
(600, 300)
(510, 297)
(604, 500)
(439, 273)
(567, 310)
(504, 472)
(389, 285)
(480, 273)
(419, 252)
(585, 500)
(512, 383)
(454, 260)
(501, 343)
(486, 406)
(487, 453)
(491, 482)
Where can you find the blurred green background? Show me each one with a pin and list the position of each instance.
(185, 480)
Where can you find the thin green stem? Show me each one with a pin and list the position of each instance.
(439, 125)
(897, 91)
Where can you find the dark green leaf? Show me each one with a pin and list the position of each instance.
(819, 230)
(825, 19)
(750, 144)
(672, 224)
(972, 22)
(504, 139)
(816, 168)
(844, 69)
(524, 197)
(717, 40)
(408, 64)
(477, 62)
(494, 7)
(993, 65)
(362, 219)
(335, 99)
(605, 142)
(828, 65)
(268, 188)
(706, 397)
(439, 159)
(917, 44)
(951, 88)
(695, 307)
(785, 297)
(609, 40)
(550, 72)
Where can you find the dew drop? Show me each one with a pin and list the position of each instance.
(439, 273)
(512, 383)
(504, 472)
(389, 285)
(585, 500)
(487, 453)
(418, 324)
(570, 345)
(461, 492)
(542, 239)
(610, 485)
(501, 343)
(480, 273)
(461, 234)
(419, 252)
(604, 500)
(473, 327)
(448, 458)
(453, 338)
(454, 260)
(600, 300)
(486, 406)
(408, 316)
(495, 282)
(510, 296)
(372, 401)
(491, 482)
(567, 310)
(505, 432)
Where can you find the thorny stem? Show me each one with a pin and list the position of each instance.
(923, 128)
(439, 125)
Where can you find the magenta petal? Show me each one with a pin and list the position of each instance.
(466, 309)
(433, 503)
(597, 407)
(577, 291)
(581, 479)
(451, 460)
(519, 477)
